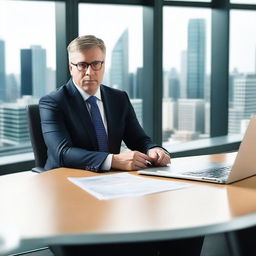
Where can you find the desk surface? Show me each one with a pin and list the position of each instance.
(47, 209)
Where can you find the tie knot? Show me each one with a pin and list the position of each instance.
(91, 100)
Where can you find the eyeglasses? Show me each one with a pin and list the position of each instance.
(83, 66)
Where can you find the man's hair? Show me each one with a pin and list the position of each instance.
(84, 43)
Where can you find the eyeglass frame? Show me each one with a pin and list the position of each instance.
(88, 64)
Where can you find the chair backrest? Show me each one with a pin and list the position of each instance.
(36, 137)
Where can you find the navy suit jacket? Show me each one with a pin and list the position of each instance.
(69, 132)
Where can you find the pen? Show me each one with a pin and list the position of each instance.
(149, 163)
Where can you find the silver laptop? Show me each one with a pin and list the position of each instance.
(244, 165)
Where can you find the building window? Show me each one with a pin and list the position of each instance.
(27, 66)
(186, 81)
(242, 79)
(123, 38)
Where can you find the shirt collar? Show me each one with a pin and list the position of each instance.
(86, 95)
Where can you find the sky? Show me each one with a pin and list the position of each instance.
(243, 40)
(109, 26)
(29, 23)
(23, 24)
(176, 23)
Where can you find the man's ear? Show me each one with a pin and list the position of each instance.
(70, 68)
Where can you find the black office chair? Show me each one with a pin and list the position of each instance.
(36, 137)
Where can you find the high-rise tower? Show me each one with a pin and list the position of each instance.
(196, 59)
(119, 76)
(39, 71)
(33, 71)
(244, 104)
(26, 72)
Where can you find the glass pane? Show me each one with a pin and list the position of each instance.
(120, 27)
(243, 1)
(27, 66)
(186, 63)
(242, 83)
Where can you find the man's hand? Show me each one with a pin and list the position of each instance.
(130, 161)
(159, 157)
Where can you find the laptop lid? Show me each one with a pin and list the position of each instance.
(244, 165)
(245, 162)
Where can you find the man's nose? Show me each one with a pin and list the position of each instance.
(89, 71)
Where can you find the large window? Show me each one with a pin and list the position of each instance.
(242, 84)
(186, 63)
(123, 38)
(28, 62)
(27, 65)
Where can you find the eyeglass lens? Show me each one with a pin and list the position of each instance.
(94, 65)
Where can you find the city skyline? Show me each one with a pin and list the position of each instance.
(116, 52)
(186, 86)
(106, 27)
(124, 49)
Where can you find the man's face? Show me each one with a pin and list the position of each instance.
(90, 79)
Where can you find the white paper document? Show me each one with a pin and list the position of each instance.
(118, 185)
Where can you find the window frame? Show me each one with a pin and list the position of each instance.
(67, 28)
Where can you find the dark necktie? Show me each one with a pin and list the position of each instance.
(98, 125)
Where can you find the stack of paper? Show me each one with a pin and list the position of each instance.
(124, 184)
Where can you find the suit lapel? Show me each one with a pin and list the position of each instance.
(79, 106)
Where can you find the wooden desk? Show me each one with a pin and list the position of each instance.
(48, 209)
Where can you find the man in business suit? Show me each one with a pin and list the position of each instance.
(70, 133)
(68, 128)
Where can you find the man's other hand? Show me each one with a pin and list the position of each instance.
(130, 161)
(159, 157)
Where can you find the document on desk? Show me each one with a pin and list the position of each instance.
(111, 186)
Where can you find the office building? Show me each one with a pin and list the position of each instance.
(171, 84)
(191, 115)
(183, 75)
(12, 88)
(33, 71)
(13, 122)
(174, 84)
(137, 105)
(26, 72)
(234, 74)
(132, 86)
(196, 59)
(39, 71)
(119, 77)
(165, 84)
(170, 117)
(244, 103)
(139, 83)
(2, 72)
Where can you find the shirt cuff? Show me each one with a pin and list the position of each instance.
(106, 166)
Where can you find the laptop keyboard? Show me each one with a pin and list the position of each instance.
(217, 172)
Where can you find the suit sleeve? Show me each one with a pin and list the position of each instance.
(61, 152)
(134, 136)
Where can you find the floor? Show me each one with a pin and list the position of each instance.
(214, 245)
